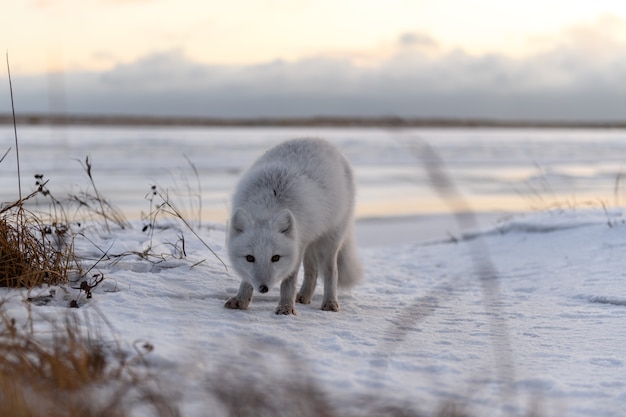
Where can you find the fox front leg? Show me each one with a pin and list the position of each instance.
(242, 300)
(288, 295)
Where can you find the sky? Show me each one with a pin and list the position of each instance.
(547, 59)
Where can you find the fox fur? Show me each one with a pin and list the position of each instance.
(294, 206)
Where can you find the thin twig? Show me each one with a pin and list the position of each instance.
(87, 168)
(195, 171)
(191, 229)
(615, 189)
(17, 149)
(5, 154)
(168, 207)
(21, 201)
(487, 274)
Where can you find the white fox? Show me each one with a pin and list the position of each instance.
(295, 204)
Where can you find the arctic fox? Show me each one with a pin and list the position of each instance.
(295, 204)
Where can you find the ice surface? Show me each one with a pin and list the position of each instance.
(499, 170)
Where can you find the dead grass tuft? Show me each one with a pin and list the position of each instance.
(74, 374)
(31, 253)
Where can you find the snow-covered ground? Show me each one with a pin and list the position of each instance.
(528, 313)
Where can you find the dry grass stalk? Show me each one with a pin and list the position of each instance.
(28, 256)
(97, 204)
(100, 208)
(167, 208)
(17, 148)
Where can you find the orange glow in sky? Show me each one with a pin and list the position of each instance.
(70, 35)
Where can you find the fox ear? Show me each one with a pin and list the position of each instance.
(239, 222)
(284, 222)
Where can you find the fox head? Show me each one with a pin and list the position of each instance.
(263, 252)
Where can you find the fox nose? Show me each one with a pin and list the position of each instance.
(263, 288)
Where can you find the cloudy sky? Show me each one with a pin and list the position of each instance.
(531, 59)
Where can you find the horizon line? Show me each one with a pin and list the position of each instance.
(77, 119)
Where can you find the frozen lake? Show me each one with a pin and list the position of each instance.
(496, 170)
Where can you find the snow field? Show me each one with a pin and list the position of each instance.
(422, 330)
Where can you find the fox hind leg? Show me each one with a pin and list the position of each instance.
(328, 257)
(310, 277)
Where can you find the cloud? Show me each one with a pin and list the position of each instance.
(412, 39)
(568, 79)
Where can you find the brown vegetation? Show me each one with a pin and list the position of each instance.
(72, 374)
(32, 253)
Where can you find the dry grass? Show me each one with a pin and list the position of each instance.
(72, 374)
(162, 206)
(68, 371)
(32, 253)
(95, 205)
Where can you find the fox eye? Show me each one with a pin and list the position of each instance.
(275, 258)
(249, 258)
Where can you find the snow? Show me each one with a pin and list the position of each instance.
(422, 329)
(525, 312)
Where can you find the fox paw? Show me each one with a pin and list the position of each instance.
(286, 310)
(236, 304)
(302, 299)
(331, 305)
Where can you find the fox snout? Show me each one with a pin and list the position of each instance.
(263, 288)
